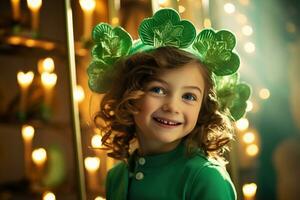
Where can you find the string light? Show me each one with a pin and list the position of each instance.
(249, 47)
(92, 163)
(264, 93)
(249, 137)
(249, 106)
(249, 190)
(181, 8)
(252, 150)
(242, 124)
(247, 30)
(229, 8)
(96, 141)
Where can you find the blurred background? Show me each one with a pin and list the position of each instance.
(44, 156)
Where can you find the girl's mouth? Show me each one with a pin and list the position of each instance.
(165, 122)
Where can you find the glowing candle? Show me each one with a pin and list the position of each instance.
(24, 80)
(39, 157)
(88, 7)
(48, 81)
(34, 6)
(46, 65)
(249, 191)
(99, 198)
(27, 135)
(16, 9)
(48, 196)
(79, 94)
(96, 141)
(92, 165)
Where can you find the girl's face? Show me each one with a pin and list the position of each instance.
(169, 109)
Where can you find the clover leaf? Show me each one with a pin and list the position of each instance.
(98, 76)
(166, 29)
(110, 43)
(215, 50)
(232, 94)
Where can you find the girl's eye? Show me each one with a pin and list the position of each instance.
(190, 97)
(157, 90)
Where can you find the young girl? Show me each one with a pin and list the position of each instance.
(160, 114)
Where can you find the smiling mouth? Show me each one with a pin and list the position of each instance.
(166, 122)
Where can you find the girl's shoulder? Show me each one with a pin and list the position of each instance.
(118, 168)
(205, 168)
(209, 177)
(199, 160)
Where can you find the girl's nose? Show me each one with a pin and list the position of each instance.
(171, 106)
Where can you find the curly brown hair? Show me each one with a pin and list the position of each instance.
(213, 129)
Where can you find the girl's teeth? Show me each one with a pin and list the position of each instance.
(166, 122)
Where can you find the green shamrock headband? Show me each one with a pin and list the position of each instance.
(165, 28)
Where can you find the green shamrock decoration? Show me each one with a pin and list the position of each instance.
(232, 94)
(166, 29)
(110, 45)
(215, 50)
(96, 72)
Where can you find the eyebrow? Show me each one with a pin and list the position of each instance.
(165, 83)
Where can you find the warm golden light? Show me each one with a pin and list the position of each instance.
(16, 9)
(30, 43)
(48, 46)
(115, 20)
(207, 23)
(229, 8)
(39, 156)
(96, 141)
(249, 47)
(48, 196)
(162, 2)
(252, 150)
(181, 9)
(242, 124)
(241, 18)
(249, 106)
(14, 40)
(79, 94)
(249, 190)
(92, 163)
(248, 137)
(47, 65)
(264, 93)
(48, 79)
(27, 132)
(244, 2)
(25, 79)
(247, 30)
(34, 4)
(87, 5)
(99, 198)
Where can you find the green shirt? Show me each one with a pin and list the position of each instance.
(170, 176)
